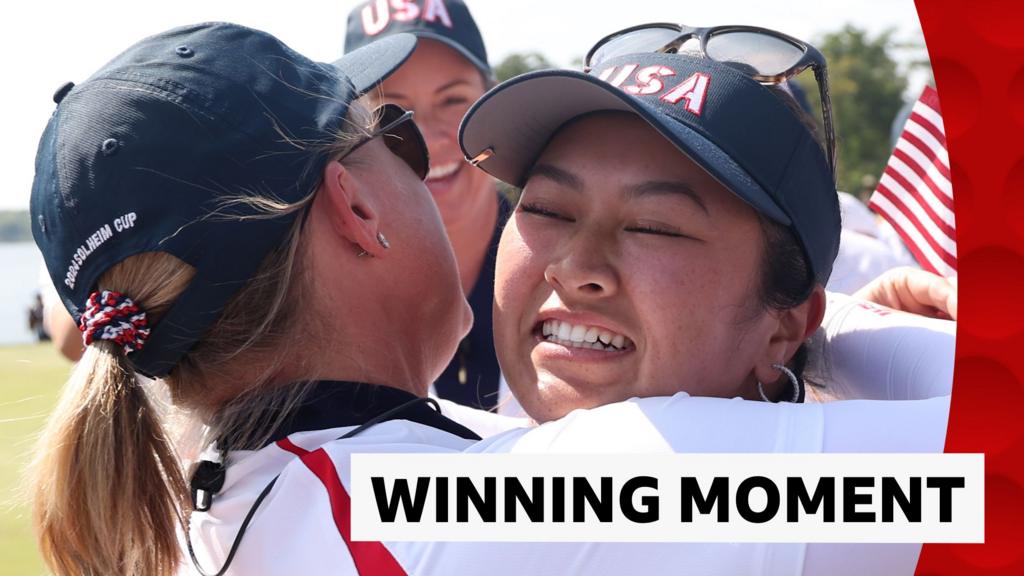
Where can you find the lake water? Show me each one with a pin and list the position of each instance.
(21, 262)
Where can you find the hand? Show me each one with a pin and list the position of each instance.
(915, 291)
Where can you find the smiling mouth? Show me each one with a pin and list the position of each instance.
(582, 336)
(443, 171)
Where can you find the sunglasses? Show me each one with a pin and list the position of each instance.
(402, 137)
(767, 56)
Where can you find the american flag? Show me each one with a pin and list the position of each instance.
(915, 193)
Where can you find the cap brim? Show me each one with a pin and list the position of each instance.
(369, 65)
(518, 119)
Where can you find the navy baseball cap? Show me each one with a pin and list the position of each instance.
(447, 21)
(736, 129)
(145, 155)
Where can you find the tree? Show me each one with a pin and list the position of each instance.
(866, 89)
(516, 64)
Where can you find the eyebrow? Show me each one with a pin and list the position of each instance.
(666, 187)
(452, 84)
(569, 180)
(556, 175)
(442, 88)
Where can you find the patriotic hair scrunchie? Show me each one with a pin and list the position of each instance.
(113, 316)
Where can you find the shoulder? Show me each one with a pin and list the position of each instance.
(302, 526)
(483, 422)
(326, 447)
(678, 423)
(685, 424)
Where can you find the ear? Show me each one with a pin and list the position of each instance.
(795, 326)
(344, 201)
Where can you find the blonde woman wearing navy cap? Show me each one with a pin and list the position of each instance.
(440, 81)
(224, 215)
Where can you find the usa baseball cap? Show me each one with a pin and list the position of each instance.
(446, 21)
(736, 129)
(142, 156)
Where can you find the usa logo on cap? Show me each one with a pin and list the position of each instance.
(377, 15)
(446, 21)
(649, 81)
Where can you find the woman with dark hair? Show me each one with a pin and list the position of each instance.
(668, 257)
(678, 222)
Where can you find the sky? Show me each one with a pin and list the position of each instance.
(52, 42)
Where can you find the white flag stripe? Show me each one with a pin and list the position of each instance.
(915, 181)
(930, 114)
(927, 165)
(925, 256)
(883, 206)
(936, 147)
(930, 228)
(943, 242)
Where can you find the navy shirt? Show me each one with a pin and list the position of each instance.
(472, 376)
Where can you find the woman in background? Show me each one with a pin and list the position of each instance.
(444, 76)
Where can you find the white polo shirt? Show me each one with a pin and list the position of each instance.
(867, 351)
(302, 526)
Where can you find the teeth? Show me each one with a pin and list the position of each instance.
(579, 336)
(442, 170)
(564, 331)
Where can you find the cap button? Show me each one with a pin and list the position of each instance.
(184, 51)
(62, 92)
(110, 146)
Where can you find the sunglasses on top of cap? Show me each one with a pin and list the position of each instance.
(401, 136)
(767, 56)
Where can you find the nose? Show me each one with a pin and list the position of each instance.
(436, 132)
(583, 270)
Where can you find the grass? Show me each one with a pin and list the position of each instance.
(31, 377)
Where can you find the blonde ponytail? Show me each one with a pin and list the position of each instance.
(109, 493)
(108, 490)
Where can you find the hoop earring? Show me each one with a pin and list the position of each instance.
(797, 387)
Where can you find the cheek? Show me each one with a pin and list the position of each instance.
(418, 216)
(693, 309)
(676, 305)
(517, 273)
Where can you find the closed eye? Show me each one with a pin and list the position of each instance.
(543, 212)
(454, 101)
(652, 230)
(659, 231)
